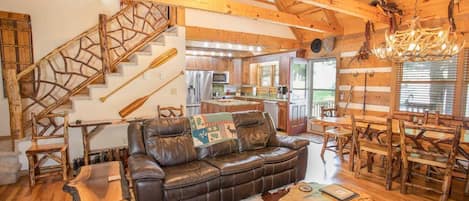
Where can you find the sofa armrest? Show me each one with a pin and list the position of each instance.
(288, 141)
(142, 166)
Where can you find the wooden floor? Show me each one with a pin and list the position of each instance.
(329, 172)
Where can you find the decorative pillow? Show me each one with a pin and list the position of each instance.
(213, 128)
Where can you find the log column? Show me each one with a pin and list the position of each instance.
(104, 44)
(14, 102)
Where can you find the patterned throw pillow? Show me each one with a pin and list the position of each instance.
(209, 129)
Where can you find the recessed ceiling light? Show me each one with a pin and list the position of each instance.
(258, 48)
(251, 48)
(230, 55)
(213, 53)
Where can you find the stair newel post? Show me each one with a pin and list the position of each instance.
(172, 15)
(14, 102)
(103, 42)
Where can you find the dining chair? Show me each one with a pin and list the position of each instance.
(432, 147)
(374, 138)
(341, 136)
(170, 112)
(48, 128)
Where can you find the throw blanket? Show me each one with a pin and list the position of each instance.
(213, 128)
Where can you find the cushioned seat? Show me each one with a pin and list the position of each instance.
(189, 174)
(275, 154)
(236, 163)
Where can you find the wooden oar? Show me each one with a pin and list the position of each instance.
(140, 101)
(163, 58)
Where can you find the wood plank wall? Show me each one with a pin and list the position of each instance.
(381, 99)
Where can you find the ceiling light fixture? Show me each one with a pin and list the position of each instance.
(419, 44)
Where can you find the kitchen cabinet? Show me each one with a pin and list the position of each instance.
(208, 63)
(227, 105)
(282, 115)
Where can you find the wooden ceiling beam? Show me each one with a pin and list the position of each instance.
(308, 11)
(234, 8)
(350, 7)
(282, 7)
(332, 20)
(270, 42)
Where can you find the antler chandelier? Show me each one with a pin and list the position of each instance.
(420, 44)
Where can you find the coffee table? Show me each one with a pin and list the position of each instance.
(99, 182)
(294, 194)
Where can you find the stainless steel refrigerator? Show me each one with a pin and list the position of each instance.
(199, 87)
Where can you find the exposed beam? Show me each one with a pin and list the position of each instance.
(308, 11)
(281, 7)
(271, 42)
(350, 7)
(332, 19)
(231, 7)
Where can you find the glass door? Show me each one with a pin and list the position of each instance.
(298, 110)
(323, 85)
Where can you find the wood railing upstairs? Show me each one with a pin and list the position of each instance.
(86, 58)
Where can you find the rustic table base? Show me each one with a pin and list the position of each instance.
(99, 182)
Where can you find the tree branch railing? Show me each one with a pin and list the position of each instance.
(70, 68)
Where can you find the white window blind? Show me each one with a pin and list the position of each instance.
(428, 86)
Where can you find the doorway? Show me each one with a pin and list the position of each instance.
(323, 74)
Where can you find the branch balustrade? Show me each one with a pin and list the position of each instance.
(85, 59)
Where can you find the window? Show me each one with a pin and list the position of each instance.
(428, 86)
(298, 81)
(323, 85)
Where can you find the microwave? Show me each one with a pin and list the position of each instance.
(221, 77)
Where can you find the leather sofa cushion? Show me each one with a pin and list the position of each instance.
(275, 154)
(253, 130)
(236, 163)
(189, 174)
(169, 141)
(218, 149)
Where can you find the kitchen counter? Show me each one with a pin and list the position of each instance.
(228, 105)
(263, 98)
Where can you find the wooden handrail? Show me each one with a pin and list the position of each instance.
(71, 67)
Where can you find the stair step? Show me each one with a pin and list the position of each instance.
(67, 107)
(80, 97)
(9, 168)
(9, 178)
(8, 157)
(143, 53)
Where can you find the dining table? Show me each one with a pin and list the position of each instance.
(378, 123)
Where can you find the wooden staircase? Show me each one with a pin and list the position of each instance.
(86, 60)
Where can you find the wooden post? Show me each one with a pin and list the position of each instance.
(14, 102)
(173, 18)
(103, 43)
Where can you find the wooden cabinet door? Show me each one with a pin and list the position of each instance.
(16, 49)
(282, 116)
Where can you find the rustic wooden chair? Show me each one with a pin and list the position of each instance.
(426, 117)
(375, 138)
(342, 136)
(49, 127)
(170, 112)
(329, 112)
(426, 148)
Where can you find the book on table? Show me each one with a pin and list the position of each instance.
(338, 192)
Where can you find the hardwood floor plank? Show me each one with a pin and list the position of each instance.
(331, 171)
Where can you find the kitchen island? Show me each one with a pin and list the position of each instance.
(228, 105)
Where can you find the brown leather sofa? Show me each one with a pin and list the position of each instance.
(164, 165)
